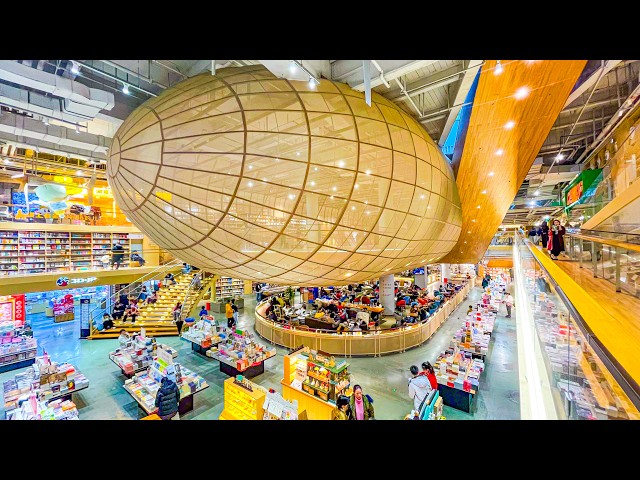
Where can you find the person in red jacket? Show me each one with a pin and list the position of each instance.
(429, 372)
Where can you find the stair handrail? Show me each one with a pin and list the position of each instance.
(201, 275)
(127, 290)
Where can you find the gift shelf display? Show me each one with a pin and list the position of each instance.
(243, 400)
(238, 352)
(315, 379)
(138, 354)
(48, 380)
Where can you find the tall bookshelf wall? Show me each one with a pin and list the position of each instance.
(25, 252)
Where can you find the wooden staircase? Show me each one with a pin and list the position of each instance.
(157, 318)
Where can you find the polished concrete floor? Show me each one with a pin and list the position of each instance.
(385, 378)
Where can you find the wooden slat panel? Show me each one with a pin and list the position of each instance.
(550, 82)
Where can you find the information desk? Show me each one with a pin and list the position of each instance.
(143, 387)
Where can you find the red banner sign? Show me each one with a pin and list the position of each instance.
(19, 314)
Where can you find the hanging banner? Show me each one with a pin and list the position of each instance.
(19, 314)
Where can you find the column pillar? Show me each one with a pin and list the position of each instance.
(387, 297)
(445, 271)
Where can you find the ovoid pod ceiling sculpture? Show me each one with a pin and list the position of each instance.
(257, 177)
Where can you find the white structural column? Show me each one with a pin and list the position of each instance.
(387, 290)
(445, 271)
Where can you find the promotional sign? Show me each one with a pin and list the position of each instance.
(575, 193)
(19, 314)
(84, 313)
(63, 305)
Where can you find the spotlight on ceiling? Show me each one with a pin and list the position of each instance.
(74, 68)
(522, 92)
(292, 66)
(498, 68)
(559, 157)
(125, 89)
(312, 83)
(45, 120)
(536, 193)
(509, 125)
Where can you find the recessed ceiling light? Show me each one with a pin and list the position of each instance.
(348, 274)
(368, 172)
(491, 174)
(293, 67)
(509, 125)
(334, 188)
(478, 206)
(421, 197)
(125, 89)
(522, 92)
(498, 68)
(559, 157)
(250, 184)
(367, 212)
(298, 154)
(312, 83)
(473, 220)
(366, 202)
(291, 196)
(315, 169)
(468, 231)
(313, 184)
(74, 68)
(250, 167)
(499, 151)
(331, 197)
(341, 163)
(356, 186)
(484, 192)
(465, 242)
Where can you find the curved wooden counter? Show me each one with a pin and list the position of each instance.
(372, 343)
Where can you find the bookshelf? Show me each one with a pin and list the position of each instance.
(229, 287)
(26, 252)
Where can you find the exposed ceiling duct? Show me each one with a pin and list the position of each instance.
(79, 101)
(22, 126)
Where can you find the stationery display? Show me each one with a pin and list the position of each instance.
(47, 379)
(456, 368)
(138, 354)
(17, 350)
(144, 386)
(203, 332)
(38, 410)
(277, 408)
(238, 349)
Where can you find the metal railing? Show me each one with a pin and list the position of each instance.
(196, 286)
(98, 311)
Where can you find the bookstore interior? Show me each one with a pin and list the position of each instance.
(293, 235)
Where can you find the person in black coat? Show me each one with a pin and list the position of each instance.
(118, 255)
(544, 233)
(167, 400)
